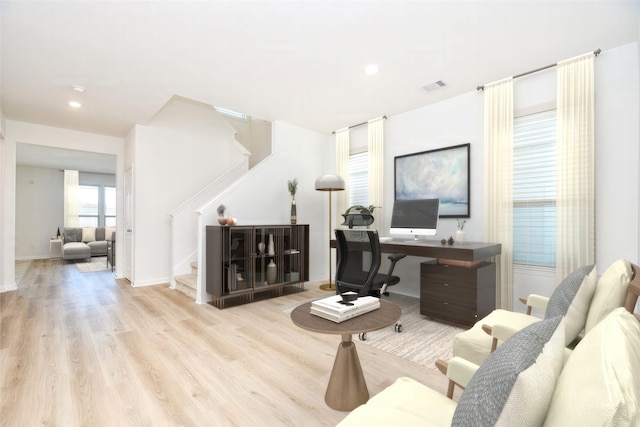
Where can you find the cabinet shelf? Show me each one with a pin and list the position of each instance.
(235, 267)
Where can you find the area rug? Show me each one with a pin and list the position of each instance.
(96, 264)
(422, 340)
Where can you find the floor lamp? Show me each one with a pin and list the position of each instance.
(329, 183)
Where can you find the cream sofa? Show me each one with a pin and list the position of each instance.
(85, 242)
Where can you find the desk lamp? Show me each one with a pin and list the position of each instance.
(329, 183)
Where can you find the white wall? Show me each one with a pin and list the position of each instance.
(39, 208)
(186, 146)
(459, 120)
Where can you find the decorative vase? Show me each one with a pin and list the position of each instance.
(260, 248)
(272, 250)
(294, 214)
(222, 221)
(271, 273)
(460, 236)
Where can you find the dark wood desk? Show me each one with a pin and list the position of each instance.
(465, 251)
(457, 283)
(347, 388)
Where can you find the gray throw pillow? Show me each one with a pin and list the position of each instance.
(572, 299)
(566, 291)
(515, 384)
(71, 235)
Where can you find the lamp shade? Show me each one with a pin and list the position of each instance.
(329, 183)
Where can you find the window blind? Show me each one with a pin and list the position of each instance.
(534, 189)
(359, 179)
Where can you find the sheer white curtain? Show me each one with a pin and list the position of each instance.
(376, 168)
(342, 170)
(71, 198)
(498, 178)
(575, 205)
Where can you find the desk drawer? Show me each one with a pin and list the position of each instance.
(457, 294)
(449, 312)
(447, 291)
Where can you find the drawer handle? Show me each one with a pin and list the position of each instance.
(446, 303)
(445, 284)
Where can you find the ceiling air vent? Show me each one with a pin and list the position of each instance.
(433, 86)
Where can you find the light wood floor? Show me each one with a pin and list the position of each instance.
(84, 349)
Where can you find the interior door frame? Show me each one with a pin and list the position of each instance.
(128, 241)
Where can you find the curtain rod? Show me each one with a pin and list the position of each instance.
(595, 52)
(359, 124)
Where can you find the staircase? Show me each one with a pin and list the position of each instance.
(188, 283)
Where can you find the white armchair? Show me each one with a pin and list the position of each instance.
(592, 301)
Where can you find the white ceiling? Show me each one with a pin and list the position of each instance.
(296, 61)
(59, 158)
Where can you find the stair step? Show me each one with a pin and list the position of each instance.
(187, 284)
(194, 267)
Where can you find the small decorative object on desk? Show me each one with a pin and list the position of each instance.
(221, 219)
(293, 188)
(460, 234)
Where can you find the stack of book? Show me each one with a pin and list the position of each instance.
(332, 309)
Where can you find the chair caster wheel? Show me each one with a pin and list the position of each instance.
(398, 327)
(362, 336)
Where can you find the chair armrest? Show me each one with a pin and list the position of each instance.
(396, 257)
(503, 332)
(461, 370)
(499, 332)
(538, 301)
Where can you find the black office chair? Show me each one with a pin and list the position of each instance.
(358, 264)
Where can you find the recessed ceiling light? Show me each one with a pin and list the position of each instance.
(371, 69)
(75, 104)
(78, 88)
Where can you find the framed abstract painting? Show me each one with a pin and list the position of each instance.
(442, 173)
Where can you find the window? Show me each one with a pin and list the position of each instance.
(97, 206)
(534, 189)
(109, 206)
(88, 213)
(359, 179)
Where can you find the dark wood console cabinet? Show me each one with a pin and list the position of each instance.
(457, 294)
(239, 262)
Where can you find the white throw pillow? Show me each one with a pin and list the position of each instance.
(611, 292)
(600, 382)
(88, 234)
(108, 232)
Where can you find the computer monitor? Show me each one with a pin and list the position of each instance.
(416, 217)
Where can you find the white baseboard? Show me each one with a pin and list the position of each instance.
(32, 257)
(151, 282)
(10, 287)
